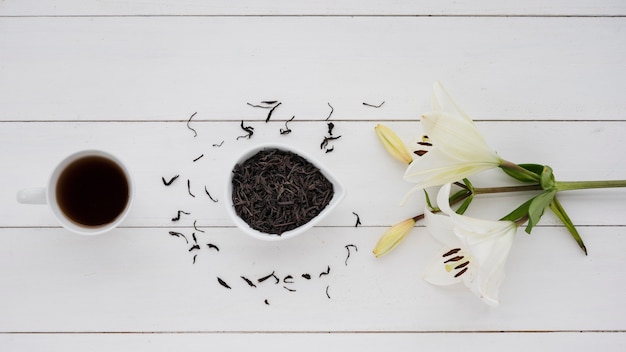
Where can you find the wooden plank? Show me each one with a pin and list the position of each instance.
(375, 188)
(324, 7)
(165, 68)
(314, 342)
(143, 280)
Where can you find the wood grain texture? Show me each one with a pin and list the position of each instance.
(317, 8)
(544, 80)
(550, 341)
(373, 179)
(143, 280)
(154, 68)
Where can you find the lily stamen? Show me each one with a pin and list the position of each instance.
(460, 272)
(451, 252)
(462, 265)
(454, 259)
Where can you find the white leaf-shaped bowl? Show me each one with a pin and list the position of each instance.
(339, 193)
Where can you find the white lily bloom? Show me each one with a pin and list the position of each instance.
(458, 149)
(475, 250)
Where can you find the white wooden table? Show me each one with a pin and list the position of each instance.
(544, 80)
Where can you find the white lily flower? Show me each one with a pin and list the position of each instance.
(475, 250)
(458, 149)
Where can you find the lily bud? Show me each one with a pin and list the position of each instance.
(390, 239)
(393, 144)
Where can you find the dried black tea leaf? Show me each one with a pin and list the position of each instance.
(178, 215)
(249, 130)
(325, 272)
(348, 249)
(209, 194)
(178, 234)
(250, 283)
(189, 188)
(223, 283)
(167, 183)
(195, 134)
(331, 111)
(327, 139)
(268, 276)
(275, 191)
(287, 130)
(196, 228)
(271, 111)
(267, 104)
(358, 219)
(374, 106)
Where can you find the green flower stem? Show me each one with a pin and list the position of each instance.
(507, 189)
(574, 185)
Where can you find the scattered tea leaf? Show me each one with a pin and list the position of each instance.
(325, 272)
(178, 215)
(249, 130)
(358, 219)
(189, 188)
(250, 283)
(167, 183)
(223, 283)
(331, 111)
(348, 249)
(209, 194)
(374, 106)
(189, 127)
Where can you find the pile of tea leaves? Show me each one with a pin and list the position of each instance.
(275, 191)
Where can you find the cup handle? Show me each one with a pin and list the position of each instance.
(32, 196)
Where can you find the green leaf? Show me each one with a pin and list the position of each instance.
(430, 205)
(469, 185)
(519, 212)
(537, 206)
(534, 168)
(547, 178)
(458, 196)
(465, 204)
(524, 172)
(557, 208)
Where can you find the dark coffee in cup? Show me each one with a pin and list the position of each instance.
(93, 191)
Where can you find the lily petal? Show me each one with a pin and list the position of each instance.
(442, 101)
(437, 168)
(441, 228)
(457, 137)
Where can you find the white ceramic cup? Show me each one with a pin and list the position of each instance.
(338, 188)
(48, 195)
